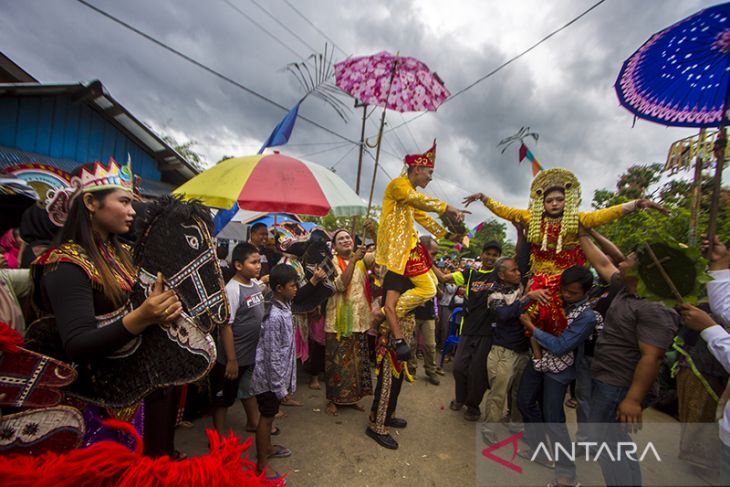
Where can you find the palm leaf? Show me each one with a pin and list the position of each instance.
(315, 76)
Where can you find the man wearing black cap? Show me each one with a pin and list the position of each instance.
(470, 369)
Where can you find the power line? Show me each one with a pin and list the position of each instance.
(515, 58)
(325, 150)
(506, 63)
(211, 70)
(267, 32)
(284, 26)
(315, 27)
(343, 157)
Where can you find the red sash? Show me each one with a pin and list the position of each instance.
(419, 262)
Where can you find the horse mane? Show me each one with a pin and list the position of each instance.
(187, 211)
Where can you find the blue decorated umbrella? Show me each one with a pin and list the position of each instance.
(681, 77)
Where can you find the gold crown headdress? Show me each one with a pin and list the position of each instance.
(554, 178)
(113, 176)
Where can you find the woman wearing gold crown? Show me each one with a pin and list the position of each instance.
(90, 275)
(553, 220)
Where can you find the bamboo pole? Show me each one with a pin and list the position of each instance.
(721, 144)
(696, 191)
(378, 141)
(359, 160)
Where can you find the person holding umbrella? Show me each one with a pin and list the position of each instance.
(398, 247)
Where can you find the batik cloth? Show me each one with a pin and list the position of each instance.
(347, 368)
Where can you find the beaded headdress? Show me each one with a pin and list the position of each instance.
(427, 159)
(554, 178)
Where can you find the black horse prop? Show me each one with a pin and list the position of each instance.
(174, 239)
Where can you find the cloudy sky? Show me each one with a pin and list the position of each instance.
(563, 89)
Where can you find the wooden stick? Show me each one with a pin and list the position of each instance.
(663, 273)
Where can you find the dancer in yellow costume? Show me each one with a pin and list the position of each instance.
(398, 248)
(553, 220)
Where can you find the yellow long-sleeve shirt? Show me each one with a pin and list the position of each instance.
(589, 219)
(402, 205)
(541, 264)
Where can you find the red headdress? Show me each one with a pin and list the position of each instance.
(427, 159)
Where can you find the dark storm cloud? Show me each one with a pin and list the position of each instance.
(563, 89)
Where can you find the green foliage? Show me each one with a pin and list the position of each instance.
(635, 181)
(668, 234)
(632, 230)
(491, 230)
(186, 150)
(331, 223)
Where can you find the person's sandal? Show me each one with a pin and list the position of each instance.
(274, 477)
(280, 451)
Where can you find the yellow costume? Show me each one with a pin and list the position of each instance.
(554, 241)
(397, 237)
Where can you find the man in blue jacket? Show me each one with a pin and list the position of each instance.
(546, 385)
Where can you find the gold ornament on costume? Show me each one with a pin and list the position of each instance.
(554, 178)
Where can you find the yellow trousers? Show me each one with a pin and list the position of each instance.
(423, 291)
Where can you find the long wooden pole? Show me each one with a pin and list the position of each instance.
(380, 134)
(377, 159)
(696, 192)
(719, 166)
(362, 145)
(359, 160)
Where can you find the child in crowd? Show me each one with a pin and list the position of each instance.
(237, 342)
(275, 371)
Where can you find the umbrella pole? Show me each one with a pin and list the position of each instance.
(359, 160)
(380, 134)
(696, 192)
(721, 144)
(362, 145)
(377, 159)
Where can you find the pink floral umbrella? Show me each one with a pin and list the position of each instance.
(394, 82)
(399, 83)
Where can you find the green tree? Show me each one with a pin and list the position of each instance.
(635, 182)
(491, 230)
(631, 230)
(186, 150)
(331, 223)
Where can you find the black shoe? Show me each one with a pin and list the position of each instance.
(472, 414)
(433, 379)
(386, 441)
(455, 406)
(396, 423)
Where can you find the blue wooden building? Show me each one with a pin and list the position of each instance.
(65, 125)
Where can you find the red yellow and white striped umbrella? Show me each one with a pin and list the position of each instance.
(274, 182)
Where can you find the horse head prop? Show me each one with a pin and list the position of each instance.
(175, 240)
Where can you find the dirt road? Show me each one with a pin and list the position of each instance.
(438, 448)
